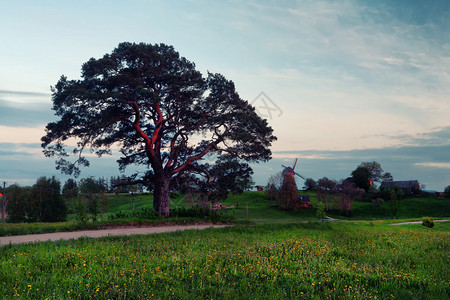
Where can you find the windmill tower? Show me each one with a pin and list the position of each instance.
(289, 187)
(290, 172)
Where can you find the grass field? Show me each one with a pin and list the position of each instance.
(285, 255)
(328, 260)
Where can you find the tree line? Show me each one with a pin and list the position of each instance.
(363, 184)
(47, 199)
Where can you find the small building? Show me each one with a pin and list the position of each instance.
(304, 200)
(259, 188)
(409, 186)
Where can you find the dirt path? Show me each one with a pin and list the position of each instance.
(56, 236)
(417, 222)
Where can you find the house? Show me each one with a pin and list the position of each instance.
(409, 186)
(304, 200)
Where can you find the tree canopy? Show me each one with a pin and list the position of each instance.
(362, 178)
(376, 172)
(368, 173)
(153, 105)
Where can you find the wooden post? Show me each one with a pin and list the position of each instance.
(3, 202)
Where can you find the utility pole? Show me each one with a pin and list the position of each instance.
(3, 201)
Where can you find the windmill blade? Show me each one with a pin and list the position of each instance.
(299, 175)
(293, 168)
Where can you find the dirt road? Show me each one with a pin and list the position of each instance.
(19, 239)
(417, 222)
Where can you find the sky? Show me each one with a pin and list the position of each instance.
(340, 82)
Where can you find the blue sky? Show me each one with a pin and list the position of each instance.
(351, 81)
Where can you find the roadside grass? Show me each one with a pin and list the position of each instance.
(412, 207)
(313, 260)
(250, 207)
(255, 207)
(438, 226)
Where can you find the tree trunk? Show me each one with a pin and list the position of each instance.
(161, 197)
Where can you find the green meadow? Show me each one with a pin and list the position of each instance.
(328, 260)
(280, 255)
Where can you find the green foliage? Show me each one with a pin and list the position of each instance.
(194, 212)
(91, 192)
(320, 212)
(273, 187)
(80, 211)
(350, 260)
(46, 203)
(260, 210)
(412, 207)
(447, 192)
(428, 222)
(394, 203)
(18, 203)
(226, 175)
(347, 196)
(378, 202)
(70, 189)
(311, 184)
(325, 192)
(154, 105)
(376, 172)
(361, 177)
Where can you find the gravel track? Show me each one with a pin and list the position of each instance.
(56, 236)
(417, 222)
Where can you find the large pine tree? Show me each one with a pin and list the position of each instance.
(159, 110)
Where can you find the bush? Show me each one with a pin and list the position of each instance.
(378, 202)
(181, 212)
(320, 212)
(80, 211)
(447, 191)
(428, 222)
(46, 203)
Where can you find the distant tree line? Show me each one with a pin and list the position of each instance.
(41, 202)
(363, 184)
(46, 201)
(115, 184)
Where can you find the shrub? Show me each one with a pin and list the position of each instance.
(320, 212)
(46, 203)
(428, 222)
(447, 191)
(80, 211)
(378, 202)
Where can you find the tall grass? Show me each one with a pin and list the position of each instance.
(344, 260)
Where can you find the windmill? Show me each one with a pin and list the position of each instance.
(288, 171)
(289, 184)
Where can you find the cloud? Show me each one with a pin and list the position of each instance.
(423, 157)
(434, 165)
(11, 134)
(23, 93)
(23, 163)
(24, 109)
(368, 42)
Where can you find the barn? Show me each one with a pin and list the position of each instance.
(409, 186)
